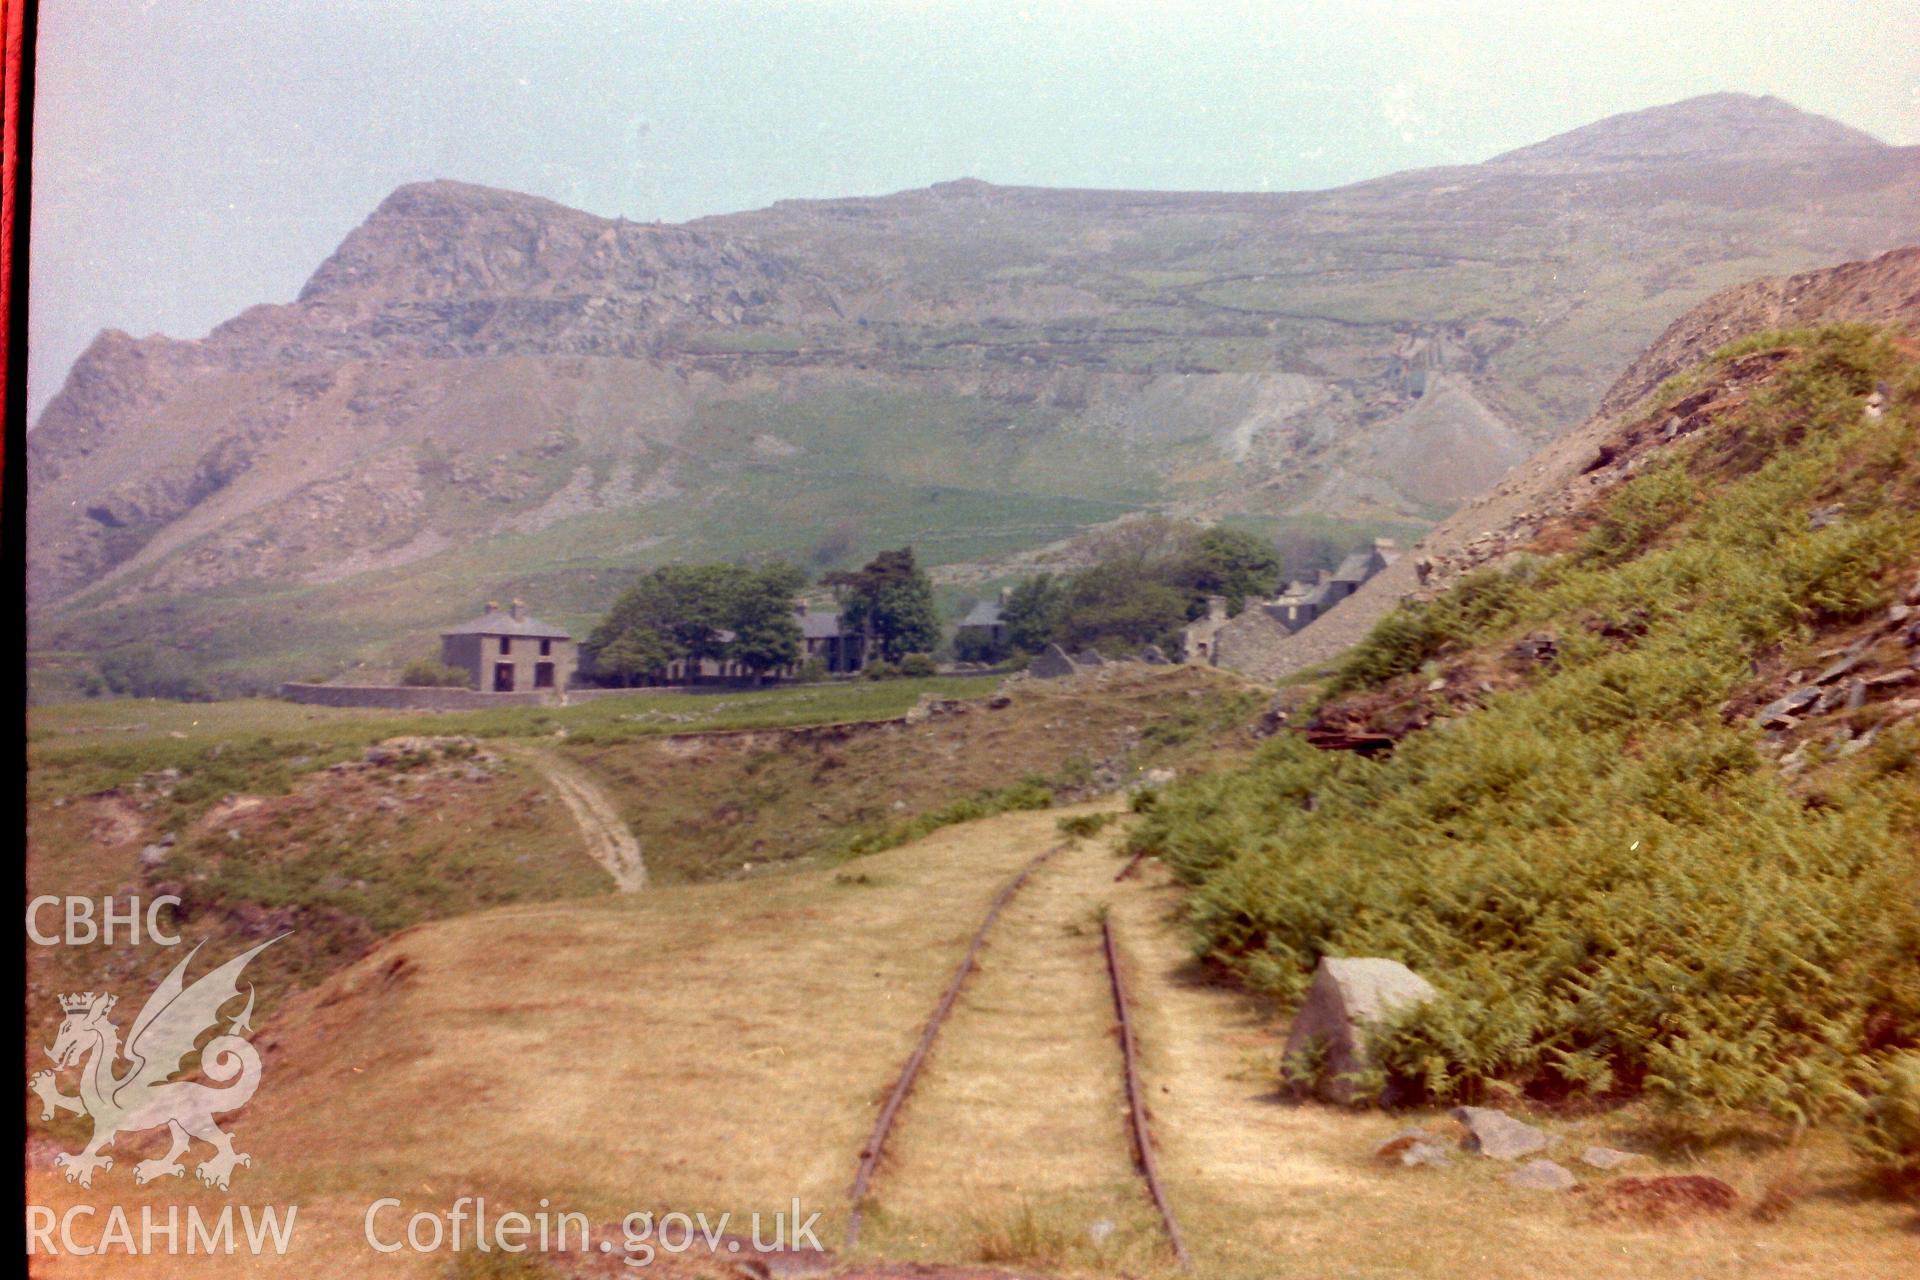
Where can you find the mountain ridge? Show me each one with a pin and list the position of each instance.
(981, 370)
(1711, 124)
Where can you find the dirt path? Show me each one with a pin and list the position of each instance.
(608, 840)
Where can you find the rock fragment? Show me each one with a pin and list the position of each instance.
(1541, 1175)
(1496, 1134)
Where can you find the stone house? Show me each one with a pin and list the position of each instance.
(985, 624)
(509, 652)
(825, 635)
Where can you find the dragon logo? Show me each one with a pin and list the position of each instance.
(142, 1096)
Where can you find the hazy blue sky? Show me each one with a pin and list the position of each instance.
(193, 158)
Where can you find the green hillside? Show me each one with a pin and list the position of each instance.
(1620, 885)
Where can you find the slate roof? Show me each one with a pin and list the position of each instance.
(985, 613)
(502, 623)
(1356, 568)
(820, 624)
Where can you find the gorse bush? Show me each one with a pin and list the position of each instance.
(1613, 891)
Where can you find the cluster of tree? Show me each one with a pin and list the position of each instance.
(147, 671)
(733, 613)
(1146, 582)
(698, 612)
(891, 599)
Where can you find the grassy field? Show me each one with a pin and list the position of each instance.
(146, 733)
(266, 815)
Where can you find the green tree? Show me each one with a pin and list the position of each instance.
(1224, 562)
(631, 656)
(1032, 612)
(144, 671)
(766, 635)
(891, 600)
(697, 612)
(1114, 601)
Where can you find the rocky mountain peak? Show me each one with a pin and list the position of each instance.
(446, 240)
(1731, 125)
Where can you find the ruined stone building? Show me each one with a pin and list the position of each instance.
(1197, 637)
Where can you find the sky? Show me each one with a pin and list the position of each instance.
(195, 157)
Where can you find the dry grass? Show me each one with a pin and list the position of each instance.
(723, 1047)
(1265, 1187)
(711, 1047)
(1020, 1115)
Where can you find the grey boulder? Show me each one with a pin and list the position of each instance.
(1497, 1134)
(1349, 997)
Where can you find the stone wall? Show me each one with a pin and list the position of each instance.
(397, 697)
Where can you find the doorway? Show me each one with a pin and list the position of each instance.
(503, 677)
(543, 675)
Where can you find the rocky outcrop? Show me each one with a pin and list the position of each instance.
(1878, 291)
(1541, 1175)
(1052, 664)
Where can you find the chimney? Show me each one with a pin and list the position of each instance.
(1217, 608)
(519, 610)
(493, 606)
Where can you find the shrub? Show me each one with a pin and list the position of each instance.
(429, 674)
(145, 671)
(976, 644)
(918, 664)
(1084, 825)
(1416, 633)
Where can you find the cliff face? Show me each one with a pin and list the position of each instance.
(979, 370)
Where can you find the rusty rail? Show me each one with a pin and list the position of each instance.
(883, 1123)
(1136, 1103)
(1133, 865)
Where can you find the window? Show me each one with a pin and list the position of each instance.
(546, 648)
(506, 644)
